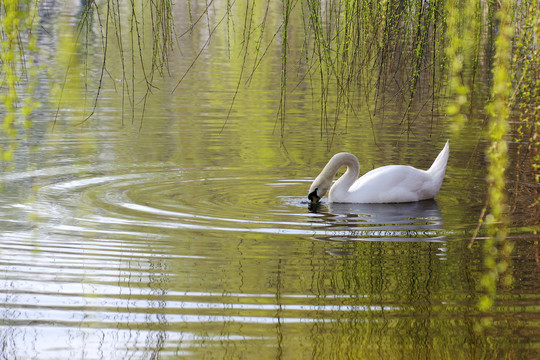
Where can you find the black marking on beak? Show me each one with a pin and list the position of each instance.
(313, 197)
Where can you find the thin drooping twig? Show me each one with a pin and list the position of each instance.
(247, 25)
(102, 72)
(192, 26)
(479, 223)
(83, 21)
(258, 59)
(201, 50)
(122, 60)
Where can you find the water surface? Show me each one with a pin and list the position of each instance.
(188, 238)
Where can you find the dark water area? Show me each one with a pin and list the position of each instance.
(191, 236)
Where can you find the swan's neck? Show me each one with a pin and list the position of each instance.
(343, 184)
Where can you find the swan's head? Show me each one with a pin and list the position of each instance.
(322, 183)
(319, 188)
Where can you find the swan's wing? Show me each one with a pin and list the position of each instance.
(392, 183)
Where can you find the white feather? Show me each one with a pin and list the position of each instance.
(387, 184)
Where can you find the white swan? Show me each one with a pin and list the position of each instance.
(387, 184)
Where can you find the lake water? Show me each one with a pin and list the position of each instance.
(191, 236)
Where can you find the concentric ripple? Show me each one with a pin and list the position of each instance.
(165, 197)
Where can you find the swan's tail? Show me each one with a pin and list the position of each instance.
(438, 168)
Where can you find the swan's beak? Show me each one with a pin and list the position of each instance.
(313, 196)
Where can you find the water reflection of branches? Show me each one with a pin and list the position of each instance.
(386, 282)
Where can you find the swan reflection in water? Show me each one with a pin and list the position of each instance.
(415, 221)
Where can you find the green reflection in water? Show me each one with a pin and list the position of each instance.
(188, 238)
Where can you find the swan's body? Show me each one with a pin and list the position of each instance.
(387, 184)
